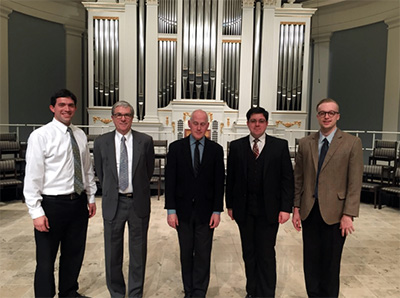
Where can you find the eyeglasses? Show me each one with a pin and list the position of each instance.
(119, 115)
(330, 114)
(202, 124)
(260, 121)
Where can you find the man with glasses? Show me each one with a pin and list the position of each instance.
(124, 164)
(194, 199)
(259, 197)
(328, 178)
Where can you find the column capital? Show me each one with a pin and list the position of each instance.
(393, 22)
(271, 3)
(74, 31)
(322, 37)
(5, 12)
(248, 4)
(152, 2)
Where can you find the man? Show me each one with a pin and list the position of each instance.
(259, 196)
(327, 198)
(194, 199)
(124, 163)
(59, 191)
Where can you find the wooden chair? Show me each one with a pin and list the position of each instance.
(8, 176)
(160, 154)
(372, 180)
(385, 151)
(8, 136)
(393, 188)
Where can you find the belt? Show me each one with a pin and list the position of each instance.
(128, 195)
(69, 197)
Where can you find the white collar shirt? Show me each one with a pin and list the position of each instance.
(260, 143)
(50, 165)
(129, 147)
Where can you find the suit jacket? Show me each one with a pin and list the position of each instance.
(142, 170)
(186, 193)
(340, 177)
(278, 187)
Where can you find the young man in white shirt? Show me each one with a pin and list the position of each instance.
(59, 191)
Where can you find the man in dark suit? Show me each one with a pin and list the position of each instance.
(328, 178)
(259, 196)
(124, 163)
(194, 199)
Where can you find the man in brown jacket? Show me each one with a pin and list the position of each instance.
(328, 177)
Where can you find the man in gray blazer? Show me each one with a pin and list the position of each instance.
(328, 178)
(124, 164)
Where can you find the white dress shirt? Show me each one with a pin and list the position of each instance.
(260, 143)
(50, 165)
(129, 147)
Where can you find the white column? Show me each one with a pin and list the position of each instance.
(391, 108)
(269, 50)
(151, 88)
(73, 44)
(246, 60)
(4, 96)
(320, 73)
(128, 55)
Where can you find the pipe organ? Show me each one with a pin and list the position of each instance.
(290, 66)
(169, 57)
(106, 61)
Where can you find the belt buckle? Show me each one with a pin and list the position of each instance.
(74, 196)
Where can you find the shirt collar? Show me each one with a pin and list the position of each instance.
(329, 137)
(193, 140)
(61, 126)
(127, 135)
(261, 139)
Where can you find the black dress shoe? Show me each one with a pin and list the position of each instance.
(249, 296)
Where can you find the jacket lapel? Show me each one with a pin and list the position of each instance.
(335, 144)
(110, 143)
(245, 143)
(136, 143)
(314, 150)
(187, 153)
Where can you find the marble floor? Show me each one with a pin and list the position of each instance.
(370, 264)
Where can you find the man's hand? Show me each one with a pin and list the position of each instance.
(214, 221)
(283, 217)
(41, 224)
(172, 220)
(92, 209)
(346, 225)
(230, 213)
(296, 220)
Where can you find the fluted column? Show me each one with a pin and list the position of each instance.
(151, 114)
(246, 60)
(73, 76)
(268, 72)
(4, 95)
(320, 72)
(391, 108)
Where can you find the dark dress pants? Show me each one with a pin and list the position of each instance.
(322, 252)
(68, 220)
(195, 241)
(114, 249)
(258, 238)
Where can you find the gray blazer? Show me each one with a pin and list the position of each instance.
(142, 170)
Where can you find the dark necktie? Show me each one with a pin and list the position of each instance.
(123, 166)
(256, 150)
(196, 163)
(322, 154)
(78, 181)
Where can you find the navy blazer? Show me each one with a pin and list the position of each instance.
(278, 187)
(186, 193)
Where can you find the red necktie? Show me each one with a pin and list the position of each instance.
(256, 151)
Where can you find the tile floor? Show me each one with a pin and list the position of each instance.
(370, 265)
